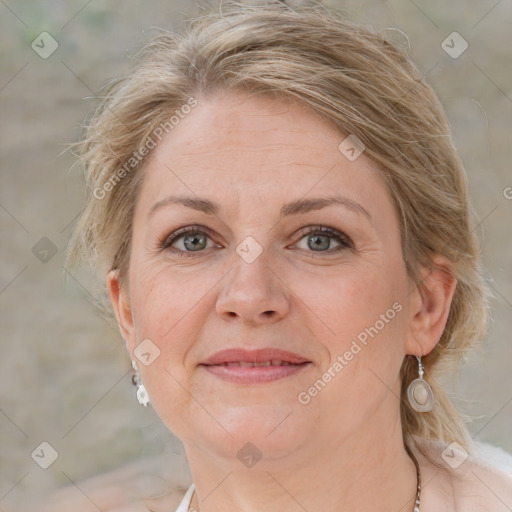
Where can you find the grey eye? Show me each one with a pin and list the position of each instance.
(319, 242)
(193, 242)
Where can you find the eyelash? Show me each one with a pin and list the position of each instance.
(344, 240)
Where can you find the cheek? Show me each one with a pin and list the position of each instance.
(167, 306)
(361, 322)
(171, 307)
(365, 314)
(165, 302)
(352, 300)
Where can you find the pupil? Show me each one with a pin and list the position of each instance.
(193, 239)
(319, 244)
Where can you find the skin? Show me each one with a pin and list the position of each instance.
(343, 450)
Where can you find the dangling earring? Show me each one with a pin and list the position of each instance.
(420, 393)
(142, 394)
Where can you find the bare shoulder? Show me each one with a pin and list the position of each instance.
(460, 482)
(153, 484)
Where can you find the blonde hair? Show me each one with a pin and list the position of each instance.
(359, 82)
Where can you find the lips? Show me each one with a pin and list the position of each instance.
(256, 366)
(260, 357)
(249, 364)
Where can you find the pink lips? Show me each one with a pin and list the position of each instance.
(254, 366)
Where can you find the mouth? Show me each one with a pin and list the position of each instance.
(257, 366)
(249, 364)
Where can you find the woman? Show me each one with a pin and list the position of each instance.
(284, 227)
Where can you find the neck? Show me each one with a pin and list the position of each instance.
(370, 470)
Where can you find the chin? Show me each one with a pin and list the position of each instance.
(259, 434)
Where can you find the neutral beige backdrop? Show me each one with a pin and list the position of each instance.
(64, 373)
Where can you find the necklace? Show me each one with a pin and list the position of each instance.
(418, 476)
(418, 492)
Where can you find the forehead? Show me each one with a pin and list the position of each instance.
(234, 147)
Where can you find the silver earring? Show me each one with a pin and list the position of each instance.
(420, 393)
(142, 394)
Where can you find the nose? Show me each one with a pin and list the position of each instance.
(253, 293)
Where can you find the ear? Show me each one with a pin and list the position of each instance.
(121, 303)
(430, 305)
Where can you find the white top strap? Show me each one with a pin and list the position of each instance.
(185, 502)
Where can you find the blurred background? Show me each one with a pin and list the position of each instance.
(65, 377)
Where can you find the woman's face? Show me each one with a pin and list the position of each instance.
(259, 178)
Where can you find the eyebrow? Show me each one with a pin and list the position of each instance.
(297, 207)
